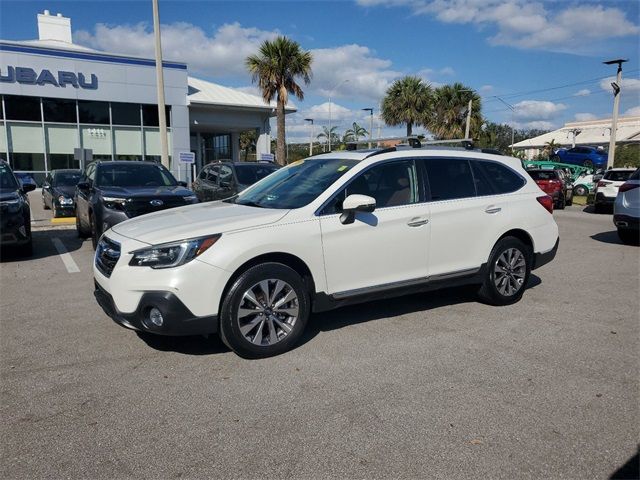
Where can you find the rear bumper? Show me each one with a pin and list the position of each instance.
(626, 222)
(541, 259)
(603, 199)
(178, 319)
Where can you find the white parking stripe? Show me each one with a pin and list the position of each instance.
(65, 256)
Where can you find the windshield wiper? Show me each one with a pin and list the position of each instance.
(250, 204)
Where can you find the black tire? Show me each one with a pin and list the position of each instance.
(44, 204)
(230, 332)
(95, 231)
(629, 237)
(569, 201)
(489, 292)
(80, 229)
(587, 163)
(598, 208)
(560, 204)
(581, 191)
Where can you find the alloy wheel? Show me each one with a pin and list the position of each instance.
(268, 312)
(510, 271)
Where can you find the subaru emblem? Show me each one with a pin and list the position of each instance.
(156, 203)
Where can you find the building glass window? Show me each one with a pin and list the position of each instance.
(59, 110)
(125, 113)
(93, 112)
(152, 143)
(22, 108)
(128, 143)
(97, 139)
(3, 142)
(217, 147)
(150, 115)
(62, 160)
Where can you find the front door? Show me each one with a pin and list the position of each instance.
(383, 249)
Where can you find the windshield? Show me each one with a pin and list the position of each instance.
(543, 175)
(250, 174)
(618, 175)
(7, 180)
(66, 179)
(134, 175)
(296, 185)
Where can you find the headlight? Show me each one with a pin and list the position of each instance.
(62, 200)
(115, 203)
(190, 198)
(173, 254)
(12, 206)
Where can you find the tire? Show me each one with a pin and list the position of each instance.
(560, 204)
(95, 231)
(44, 204)
(80, 230)
(26, 250)
(569, 202)
(587, 163)
(629, 237)
(273, 330)
(494, 290)
(581, 191)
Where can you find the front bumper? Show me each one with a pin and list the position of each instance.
(541, 259)
(178, 319)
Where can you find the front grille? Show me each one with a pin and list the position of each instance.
(140, 206)
(107, 255)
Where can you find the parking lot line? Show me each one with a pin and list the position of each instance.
(65, 256)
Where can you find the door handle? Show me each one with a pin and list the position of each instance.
(417, 222)
(491, 209)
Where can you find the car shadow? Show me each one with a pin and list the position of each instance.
(332, 320)
(608, 237)
(630, 470)
(607, 210)
(43, 245)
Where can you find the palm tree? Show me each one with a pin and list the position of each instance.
(448, 118)
(248, 142)
(550, 148)
(406, 101)
(275, 68)
(325, 134)
(355, 132)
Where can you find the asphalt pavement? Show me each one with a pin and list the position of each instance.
(426, 386)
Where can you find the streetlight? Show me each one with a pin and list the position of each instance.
(370, 110)
(162, 119)
(310, 136)
(617, 85)
(513, 109)
(330, 94)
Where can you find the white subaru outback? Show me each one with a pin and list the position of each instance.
(339, 228)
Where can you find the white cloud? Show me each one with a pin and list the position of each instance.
(538, 125)
(583, 117)
(219, 54)
(633, 111)
(582, 93)
(628, 84)
(525, 24)
(537, 110)
(486, 88)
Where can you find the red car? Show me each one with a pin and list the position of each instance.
(555, 184)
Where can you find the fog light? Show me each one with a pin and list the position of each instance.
(23, 231)
(155, 316)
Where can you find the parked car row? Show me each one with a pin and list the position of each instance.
(15, 211)
(626, 209)
(556, 184)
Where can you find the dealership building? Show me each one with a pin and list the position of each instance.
(59, 97)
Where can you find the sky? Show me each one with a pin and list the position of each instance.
(542, 58)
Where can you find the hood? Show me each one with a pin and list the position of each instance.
(65, 190)
(195, 221)
(132, 192)
(8, 194)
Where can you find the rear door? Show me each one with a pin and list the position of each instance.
(225, 182)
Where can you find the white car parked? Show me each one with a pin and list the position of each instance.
(607, 187)
(338, 228)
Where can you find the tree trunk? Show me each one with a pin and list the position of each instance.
(409, 125)
(280, 145)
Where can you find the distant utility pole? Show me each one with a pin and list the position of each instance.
(310, 136)
(370, 110)
(513, 109)
(162, 119)
(617, 86)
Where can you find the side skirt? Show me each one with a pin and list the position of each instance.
(323, 302)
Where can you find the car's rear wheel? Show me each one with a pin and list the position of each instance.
(95, 231)
(80, 229)
(561, 202)
(630, 237)
(581, 191)
(265, 311)
(507, 272)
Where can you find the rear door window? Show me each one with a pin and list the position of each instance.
(450, 178)
(493, 178)
(617, 176)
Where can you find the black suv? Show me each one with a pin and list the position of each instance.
(111, 192)
(226, 179)
(58, 190)
(15, 214)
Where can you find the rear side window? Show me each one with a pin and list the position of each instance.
(493, 178)
(450, 178)
(617, 175)
(635, 175)
(543, 175)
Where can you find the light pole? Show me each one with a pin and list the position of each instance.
(330, 95)
(617, 85)
(310, 136)
(513, 109)
(162, 119)
(370, 110)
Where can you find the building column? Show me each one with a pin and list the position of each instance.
(263, 144)
(235, 146)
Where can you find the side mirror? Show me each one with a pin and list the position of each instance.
(182, 184)
(28, 187)
(83, 186)
(356, 203)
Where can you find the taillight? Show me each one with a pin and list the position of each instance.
(546, 201)
(602, 183)
(626, 186)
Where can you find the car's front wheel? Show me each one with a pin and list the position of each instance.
(265, 311)
(562, 201)
(95, 231)
(81, 230)
(507, 272)
(581, 191)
